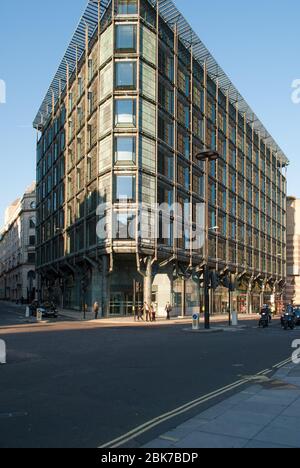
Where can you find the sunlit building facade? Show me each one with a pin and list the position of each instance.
(134, 103)
(17, 249)
(292, 290)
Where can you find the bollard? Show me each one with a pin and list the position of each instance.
(196, 322)
(39, 315)
(2, 352)
(27, 313)
(235, 319)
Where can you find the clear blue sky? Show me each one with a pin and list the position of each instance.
(257, 44)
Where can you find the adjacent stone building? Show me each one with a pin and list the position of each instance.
(292, 293)
(17, 249)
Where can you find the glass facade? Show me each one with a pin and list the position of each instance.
(125, 75)
(129, 129)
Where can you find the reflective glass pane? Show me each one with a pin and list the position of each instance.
(126, 38)
(125, 113)
(126, 75)
(127, 7)
(125, 188)
(125, 149)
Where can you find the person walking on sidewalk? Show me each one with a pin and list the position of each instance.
(153, 312)
(96, 310)
(139, 313)
(168, 310)
(147, 312)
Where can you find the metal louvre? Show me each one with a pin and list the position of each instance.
(73, 54)
(171, 15)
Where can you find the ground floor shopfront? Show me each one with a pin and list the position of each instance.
(120, 290)
(19, 284)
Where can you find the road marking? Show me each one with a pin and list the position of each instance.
(138, 431)
(283, 363)
(165, 417)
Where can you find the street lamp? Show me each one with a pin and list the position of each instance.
(207, 155)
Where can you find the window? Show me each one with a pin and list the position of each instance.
(124, 226)
(127, 7)
(125, 188)
(32, 223)
(90, 102)
(125, 113)
(79, 148)
(166, 164)
(31, 258)
(91, 69)
(126, 38)
(31, 240)
(80, 86)
(89, 168)
(125, 75)
(125, 149)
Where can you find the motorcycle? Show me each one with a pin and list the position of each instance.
(288, 321)
(264, 320)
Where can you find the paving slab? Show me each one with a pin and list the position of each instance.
(264, 415)
(204, 440)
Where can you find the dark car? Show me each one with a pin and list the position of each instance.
(48, 309)
(297, 315)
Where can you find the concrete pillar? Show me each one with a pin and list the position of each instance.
(249, 299)
(105, 287)
(262, 296)
(148, 282)
(96, 287)
(183, 298)
(164, 284)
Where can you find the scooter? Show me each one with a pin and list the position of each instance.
(264, 320)
(288, 321)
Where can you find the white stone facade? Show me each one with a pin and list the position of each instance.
(293, 251)
(17, 249)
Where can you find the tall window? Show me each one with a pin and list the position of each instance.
(127, 7)
(125, 113)
(125, 75)
(124, 188)
(125, 150)
(126, 38)
(124, 226)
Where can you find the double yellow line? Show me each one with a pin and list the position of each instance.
(138, 431)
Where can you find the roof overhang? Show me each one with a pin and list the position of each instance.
(172, 16)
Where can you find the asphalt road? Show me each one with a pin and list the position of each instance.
(11, 314)
(78, 385)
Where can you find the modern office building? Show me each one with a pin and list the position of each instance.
(135, 101)
(292, 291)
(17, 249)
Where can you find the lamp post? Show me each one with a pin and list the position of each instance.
(207, 155)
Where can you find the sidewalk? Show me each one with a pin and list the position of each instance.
(263, 416)
(90, 317)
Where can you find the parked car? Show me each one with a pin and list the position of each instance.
(48, 309)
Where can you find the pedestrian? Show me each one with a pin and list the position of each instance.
(147, 312)
(168, 310)
(141, 313)
(153, 312)
(96, 310)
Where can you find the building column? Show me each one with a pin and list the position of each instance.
(105, 287)
(262, 296)
(148, 282)
(249, 297)
(183, 297)
(164, 283)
